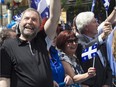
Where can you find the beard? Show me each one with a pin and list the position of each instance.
(28, 34)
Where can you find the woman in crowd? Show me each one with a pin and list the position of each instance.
(58, 72)
(5, 34)
(67, 43)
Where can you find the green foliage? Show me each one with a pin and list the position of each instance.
(99, 11)
(19, 9)
(66, 7)
(63, 4)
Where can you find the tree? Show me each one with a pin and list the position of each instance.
(71, 8)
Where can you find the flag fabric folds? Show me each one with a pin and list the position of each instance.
(1, 1)
(34, 3)
(106, 4)
(42, 6)
(89, 53)
(17, 17)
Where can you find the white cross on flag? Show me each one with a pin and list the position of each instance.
(42, 6)
(89, 53)
(106, 4)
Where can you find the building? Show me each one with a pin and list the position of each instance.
(9, 8)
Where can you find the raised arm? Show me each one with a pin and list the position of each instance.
(112, 16)
(78, 78)
(52, 23)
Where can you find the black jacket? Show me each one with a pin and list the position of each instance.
(103, 73)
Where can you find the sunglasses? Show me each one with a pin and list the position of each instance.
(72, 40)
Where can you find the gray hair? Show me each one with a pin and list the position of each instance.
(83, 19)
(31, 9)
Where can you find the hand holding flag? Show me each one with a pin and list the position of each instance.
(90, 53)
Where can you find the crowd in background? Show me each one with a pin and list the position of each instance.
(54, 52)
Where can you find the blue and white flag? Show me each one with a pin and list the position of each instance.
(17, 17)
(34, 3)
(42, 6)
(1, 1)
(89, 53)
(93, 5)
(106, 4)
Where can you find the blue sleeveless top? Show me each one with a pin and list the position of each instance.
(56, 66)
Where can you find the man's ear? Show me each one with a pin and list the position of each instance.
(86, 28)
(17, 29)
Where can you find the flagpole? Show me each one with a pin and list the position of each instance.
(93, 61)
(29, 3)
(106, 13)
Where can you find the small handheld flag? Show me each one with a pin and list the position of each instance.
(106, 4)
(89, 53)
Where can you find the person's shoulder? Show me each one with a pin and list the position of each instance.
(9, 41)
(79, 36)
(41, 34)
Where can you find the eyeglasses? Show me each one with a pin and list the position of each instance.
(72, 40)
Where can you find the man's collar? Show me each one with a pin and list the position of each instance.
(21, 42)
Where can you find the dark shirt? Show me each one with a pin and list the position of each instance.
(22, 67)
(103, 73)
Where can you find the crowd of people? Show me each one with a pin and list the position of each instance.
(41, 53)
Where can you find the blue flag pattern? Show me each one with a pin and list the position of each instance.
(17, 17)
(89, 53)
(2, 1)
(45, 13)
(34, 3)
(106, 4)
(42, 6)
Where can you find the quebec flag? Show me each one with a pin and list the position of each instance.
(42, 6)
(1, 1)
(106, 4)
(89, 53)
(17, 17)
